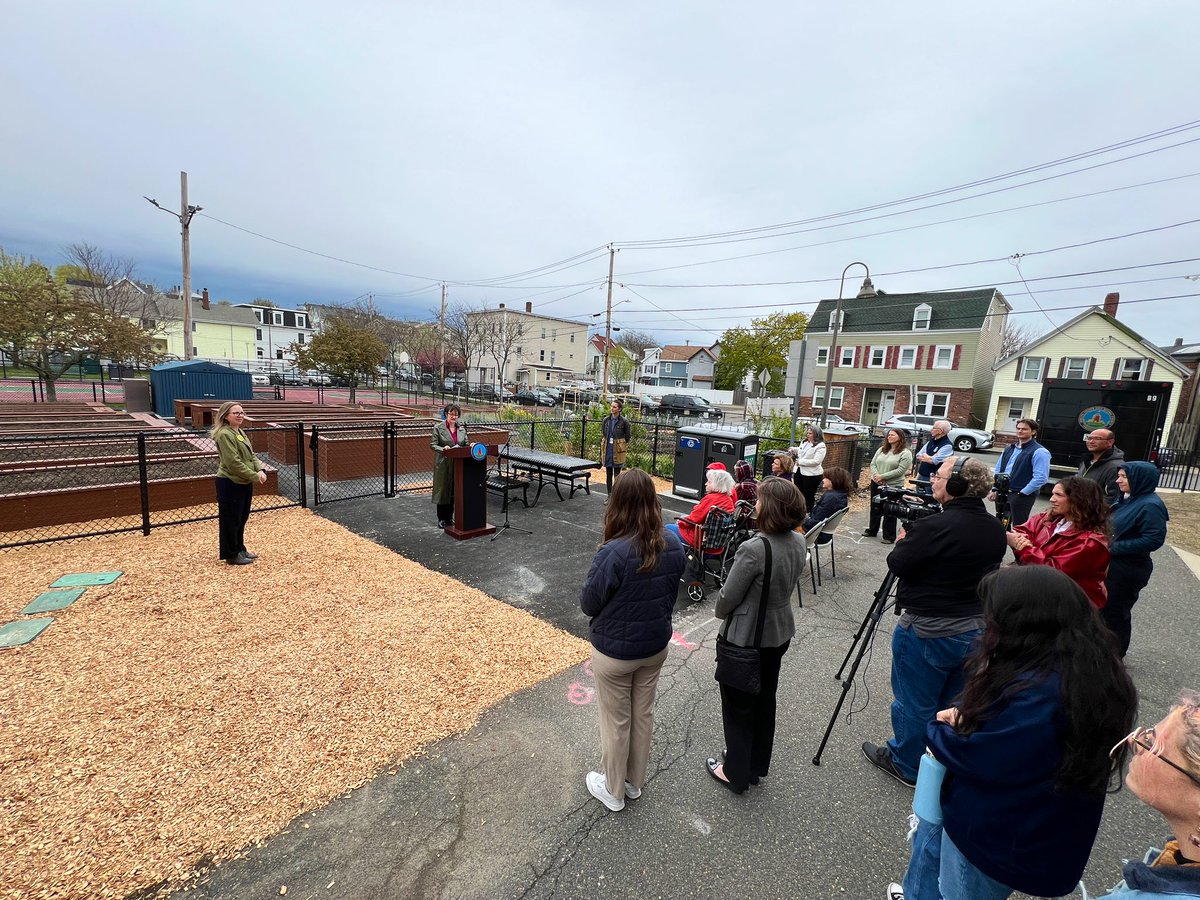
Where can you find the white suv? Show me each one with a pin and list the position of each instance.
(964, 439)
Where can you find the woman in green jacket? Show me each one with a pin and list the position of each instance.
(237, 470)
(446, 434)
(892, 463)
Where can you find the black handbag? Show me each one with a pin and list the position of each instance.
(740, 668)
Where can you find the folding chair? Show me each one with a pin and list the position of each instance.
(828, 530)
(706, 555)
(810, 542)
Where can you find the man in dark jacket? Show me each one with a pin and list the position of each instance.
(938, 564)
(1103, 462)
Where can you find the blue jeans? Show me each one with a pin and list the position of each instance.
(674, 529)
(926, 675)
(939, 871)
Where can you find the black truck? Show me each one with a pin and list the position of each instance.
(1135, 411)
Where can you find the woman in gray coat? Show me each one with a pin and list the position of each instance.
(749, 719)
(446, 434)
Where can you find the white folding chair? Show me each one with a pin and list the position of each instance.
(829, 527)
(810, 542)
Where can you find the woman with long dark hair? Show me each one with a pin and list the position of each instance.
(835, 496)
(749, 719)
(629, 593)
(1025, 748)
(890, 465)
(1071, 537)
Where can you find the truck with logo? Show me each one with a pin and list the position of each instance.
(1135, 411)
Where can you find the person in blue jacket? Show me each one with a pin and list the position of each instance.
(1139, 527)
(1025, 747)
(1165, 773)
(629, 593)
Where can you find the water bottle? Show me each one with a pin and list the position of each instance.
(927, 800)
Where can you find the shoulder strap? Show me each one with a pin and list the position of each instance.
(762, 602)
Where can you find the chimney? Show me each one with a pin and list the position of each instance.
(204, 299)
(502, 306)
(528, 306)
(1110, 303)
(1178, 343)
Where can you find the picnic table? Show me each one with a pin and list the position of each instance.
(555, 469)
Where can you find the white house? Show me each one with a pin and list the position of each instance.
(649, 367)
(277, 329)
(1094, 344)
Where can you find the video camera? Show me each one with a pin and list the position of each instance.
(905, 505)
(1001, 489)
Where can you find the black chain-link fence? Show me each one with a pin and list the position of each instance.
(60, 486)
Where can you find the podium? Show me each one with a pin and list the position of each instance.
(470, 493)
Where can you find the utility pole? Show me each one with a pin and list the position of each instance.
(442, 337)
(608, 319)
(185, 221)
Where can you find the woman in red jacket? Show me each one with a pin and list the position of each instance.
(718, 492)
(1071, 537)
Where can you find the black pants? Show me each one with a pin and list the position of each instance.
(1127, 575)
(611, 472)
(1020, 505)
(445, 512)
(749, 721)
(889, 522)
(808, 485)
(233, 509)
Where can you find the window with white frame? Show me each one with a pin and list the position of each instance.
(835, 397)
(300, 339)
(276, 317)
(300, 321)
(822, 356)
(907, 358)
(258, 314)
(1033, 368)
(878, 357)
(1132, 369)
(848, 356)
(258, 334)
(541, 356)
(1076, 367)
(279, 354)
(921, 316)
(543, 333)
(930, 404)
(553, 353)
(837, 319)
(261, 353)
(943, 356)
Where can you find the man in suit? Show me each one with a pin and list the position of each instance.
(1027, 465)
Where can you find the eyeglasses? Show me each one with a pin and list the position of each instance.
(1146, 739)
(937, 476)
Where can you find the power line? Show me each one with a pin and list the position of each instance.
(1187, 126)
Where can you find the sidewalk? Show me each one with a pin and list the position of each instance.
(502, 810)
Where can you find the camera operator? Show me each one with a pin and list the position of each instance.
(1027, 465)
(936, 450)
(938, 563)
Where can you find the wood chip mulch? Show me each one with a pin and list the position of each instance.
(193, 708)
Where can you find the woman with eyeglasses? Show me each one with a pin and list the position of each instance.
(237, 470)
(1165, 773)
(1025, 747)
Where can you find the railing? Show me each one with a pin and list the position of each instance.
(65, 486)
(1178, 469)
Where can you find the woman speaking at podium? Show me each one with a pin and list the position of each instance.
(446, 434)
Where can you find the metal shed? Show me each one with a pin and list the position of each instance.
(196, 379)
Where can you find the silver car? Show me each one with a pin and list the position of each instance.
(964, 440)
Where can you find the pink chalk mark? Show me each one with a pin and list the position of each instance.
(678, 638)
(580, 694)
(587, 668)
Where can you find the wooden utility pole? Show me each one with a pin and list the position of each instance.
(442, 340)
(608, 319)
(185, 220)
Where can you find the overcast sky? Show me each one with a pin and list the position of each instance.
(468, 141)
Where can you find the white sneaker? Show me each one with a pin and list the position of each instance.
(895, 891)
(632, 793)
(598, 789)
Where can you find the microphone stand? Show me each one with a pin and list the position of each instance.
(507, 524)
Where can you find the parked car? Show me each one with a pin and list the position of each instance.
(964, 440)
(534, 398)
(315, 378)
(689, 406)
(427, 378)
(260, 380)
(837, 425)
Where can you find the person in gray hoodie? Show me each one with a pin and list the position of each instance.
(1139, 527)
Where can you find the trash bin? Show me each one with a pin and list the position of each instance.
(699, 445)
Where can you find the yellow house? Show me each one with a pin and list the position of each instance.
(220, 332)
(1094, 344)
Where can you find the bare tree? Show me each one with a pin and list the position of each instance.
(110, 282)
(1013, 338)
(501, 337)
(636, 342)
(420, 341)
(464, 331)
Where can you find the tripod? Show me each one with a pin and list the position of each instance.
(863, 639)
(500, 529)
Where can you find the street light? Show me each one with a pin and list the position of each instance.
(868, 290)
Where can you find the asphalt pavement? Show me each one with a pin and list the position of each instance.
(502, 810)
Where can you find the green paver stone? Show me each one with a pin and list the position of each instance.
(83, 579)
(14, 634)
(52, 600)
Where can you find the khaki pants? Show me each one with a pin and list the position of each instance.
(626, 688)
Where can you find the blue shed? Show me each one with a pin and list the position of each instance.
(196, 379)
